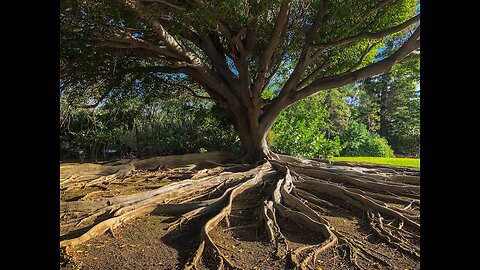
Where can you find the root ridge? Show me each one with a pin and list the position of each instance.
(379, 200)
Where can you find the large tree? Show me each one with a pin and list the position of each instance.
(324, 44)
(234, 50)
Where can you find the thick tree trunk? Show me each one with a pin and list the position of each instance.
(252, 136)
(254, 147)
(383, 130)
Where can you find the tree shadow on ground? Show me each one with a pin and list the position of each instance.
(186, 238)
(78, 232)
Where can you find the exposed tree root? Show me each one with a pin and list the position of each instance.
(399, 241)
(274, 233)
(305, 192)
(224, 203)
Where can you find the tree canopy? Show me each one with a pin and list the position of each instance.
(233, 50)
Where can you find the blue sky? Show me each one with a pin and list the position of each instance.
(231, 65)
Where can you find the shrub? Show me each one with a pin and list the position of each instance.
(360, 142)
(376, 146)
(302, 131)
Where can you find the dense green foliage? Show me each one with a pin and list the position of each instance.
(190, 128)
(360, 142)
(303, 130)
(323, 125)
(145, 127)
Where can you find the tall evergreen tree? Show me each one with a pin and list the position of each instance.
(389, 104)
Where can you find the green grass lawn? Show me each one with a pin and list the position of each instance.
(406, 162)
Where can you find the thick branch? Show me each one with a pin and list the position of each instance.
(162, 33)
(187, 70)
(412, 56)
(322, 68)
(349, 77)
(306, 58)
(280, 103)
(130, 43)
(217, 58)
(318, 23)
(251, 37)
(275, 38)
(370, 35)
(204, 74)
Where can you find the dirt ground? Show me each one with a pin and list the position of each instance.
(143, 243)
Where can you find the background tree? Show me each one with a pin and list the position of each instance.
(389, 104)
(328, 44)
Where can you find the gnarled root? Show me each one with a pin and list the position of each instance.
(381, 200)
(224, 203)
(132, 206)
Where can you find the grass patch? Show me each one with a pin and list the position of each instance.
(404, 162)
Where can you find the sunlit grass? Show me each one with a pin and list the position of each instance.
(405, 162)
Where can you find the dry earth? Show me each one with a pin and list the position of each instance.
(315, 230)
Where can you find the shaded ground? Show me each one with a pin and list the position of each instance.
(145, 243)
